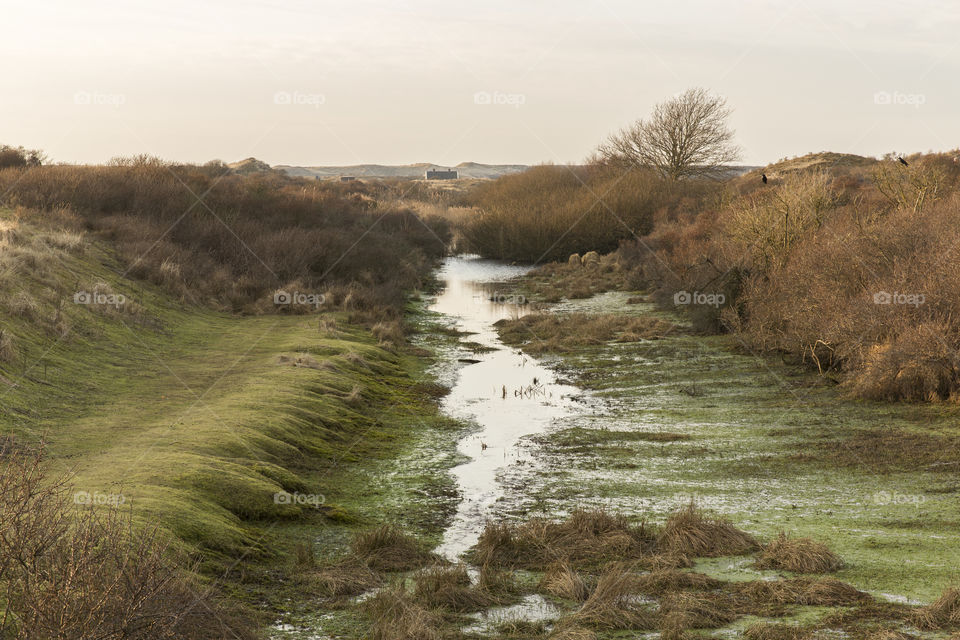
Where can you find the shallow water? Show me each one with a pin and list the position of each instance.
(507, 395)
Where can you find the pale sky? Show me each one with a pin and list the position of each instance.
(497, 81)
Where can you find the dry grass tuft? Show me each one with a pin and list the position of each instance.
(347, 578)
(767, 631)
(614, 604)
(586, 536)
(572, 632)
(801, 555)
(942, 614)
(691, 533)
(663, 581)
(890, 634)
(687, 610)
(562, 581)
(388, 548)
(395, 615)
(804, 591)
(450, 588)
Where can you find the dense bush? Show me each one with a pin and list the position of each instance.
(550, 212)
(851, 270)
(231, 241)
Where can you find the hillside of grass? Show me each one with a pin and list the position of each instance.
(241, 437)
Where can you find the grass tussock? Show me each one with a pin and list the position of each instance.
(827, 592)
(572, 632)
(586, 536)
(613, 604)
(450, 588)
(690, 610)
(800, 555)
(771, 631)
(389, 548)
(395, 615)
(346, 578)
(944, 613)
(559, 333)
(664, 581)
(690, 532)
(562, 580)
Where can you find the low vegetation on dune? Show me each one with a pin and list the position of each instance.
(232, 242)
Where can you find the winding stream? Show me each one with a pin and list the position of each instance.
(507, 395)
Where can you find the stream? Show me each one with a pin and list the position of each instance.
(505, 394)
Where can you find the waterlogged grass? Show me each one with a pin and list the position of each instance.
(769, 445)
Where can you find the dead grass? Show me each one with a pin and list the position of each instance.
(450, 588)
(800, 555)
(803, 591)
(663, 581)
(944, 613)
(572, 632)
(886, 450)
(346, 578)
(585, 537)
(689, 610)
(614, 604)
(689, 532)
(395, 615)
(388, 548)
(562, 581)
(559, 333)
(768, 631)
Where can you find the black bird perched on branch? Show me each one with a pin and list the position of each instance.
(902, 161)
(763, 177)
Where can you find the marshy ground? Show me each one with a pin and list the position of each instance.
(699, 491)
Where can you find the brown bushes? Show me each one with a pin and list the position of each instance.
(548, 212)
(848, 268)
(231, 241)
(69, 574)
(800, 555)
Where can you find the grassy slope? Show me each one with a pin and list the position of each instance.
(761, 439)
(191, 417)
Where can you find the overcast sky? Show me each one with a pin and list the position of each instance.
(498, 81)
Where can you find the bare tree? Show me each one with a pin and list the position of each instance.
(684, 137)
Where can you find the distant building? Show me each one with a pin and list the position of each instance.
(347, 178)
(442, 174)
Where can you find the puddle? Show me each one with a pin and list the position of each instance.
(506, 394)
(533, 608)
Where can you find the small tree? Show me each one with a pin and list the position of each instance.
(686, 136)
